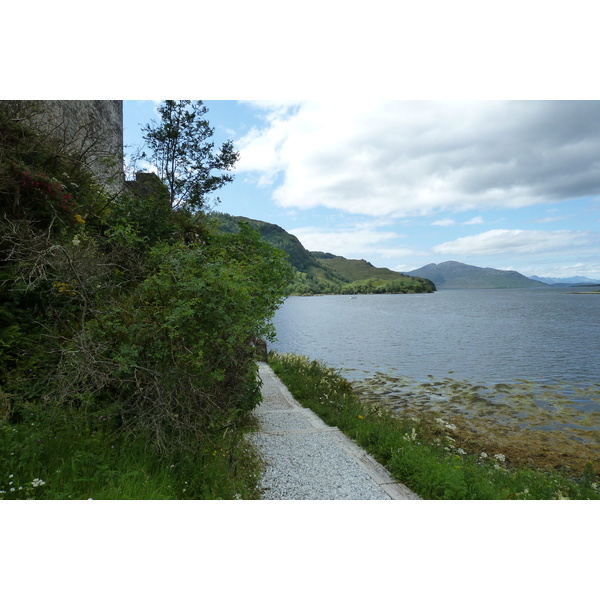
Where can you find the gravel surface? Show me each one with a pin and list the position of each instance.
(308, 460)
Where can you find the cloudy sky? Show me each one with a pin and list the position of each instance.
(509, 185)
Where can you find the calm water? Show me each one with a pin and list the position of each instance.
(494, 336)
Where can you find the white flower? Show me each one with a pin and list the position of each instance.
(500, 457)
(450, 426)
(461, 451)
(411, 437)
(483, 455)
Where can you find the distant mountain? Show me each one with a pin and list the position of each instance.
(325, 273)
(456, 275)
(565, 280)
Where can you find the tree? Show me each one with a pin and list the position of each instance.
(181, 149)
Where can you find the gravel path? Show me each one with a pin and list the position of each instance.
(308, 460)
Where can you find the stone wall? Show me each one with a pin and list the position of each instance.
(93, 129)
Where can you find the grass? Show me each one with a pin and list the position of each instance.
(58, 459)
(422, 451)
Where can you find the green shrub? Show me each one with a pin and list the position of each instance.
(122, 320)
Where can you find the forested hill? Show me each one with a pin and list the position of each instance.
(456, 275)
(324, 273)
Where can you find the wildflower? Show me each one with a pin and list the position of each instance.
(483, 455)
(79, 219)
(360, 417)
(450, 426)
(461, 451)
(76, 241)
(37, 482)
(500, 457)
(411, 437)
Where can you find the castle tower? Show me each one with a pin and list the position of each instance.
(93, 130)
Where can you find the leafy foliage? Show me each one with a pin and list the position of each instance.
(180, 148)
(125, 319)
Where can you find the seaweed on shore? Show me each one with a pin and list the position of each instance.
(551, 426)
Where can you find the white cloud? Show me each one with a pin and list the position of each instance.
(474, 221)
(498, 241)
(408, 158)
(549, 219)
(444, 222)
(350, 242)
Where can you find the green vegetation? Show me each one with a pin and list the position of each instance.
(127, 332)
(422, 451)
(323, 273)
(181, 149)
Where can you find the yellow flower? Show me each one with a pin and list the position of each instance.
(360, 417)
(80, 219)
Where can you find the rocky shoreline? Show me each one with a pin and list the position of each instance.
(553, 427)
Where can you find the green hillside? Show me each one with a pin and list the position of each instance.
(456, 275)
(324, 273)
(352, 269)
(366, 278)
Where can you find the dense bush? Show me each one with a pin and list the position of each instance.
(121, 316)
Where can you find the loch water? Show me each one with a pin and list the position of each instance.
(544, 335)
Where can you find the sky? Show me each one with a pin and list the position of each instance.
(404, 183)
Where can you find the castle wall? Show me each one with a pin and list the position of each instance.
(93, 129)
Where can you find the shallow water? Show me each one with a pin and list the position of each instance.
(528, 359)
(493, 336)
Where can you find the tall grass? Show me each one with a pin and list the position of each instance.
(420, 452)
(59, 459)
